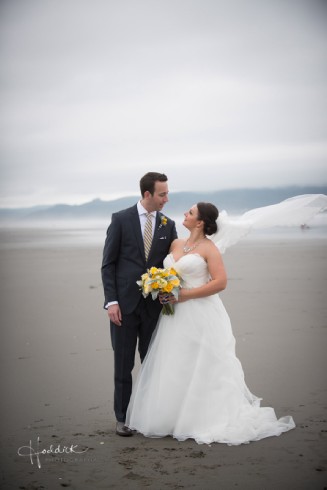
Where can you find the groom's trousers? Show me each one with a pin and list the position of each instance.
(139, 325)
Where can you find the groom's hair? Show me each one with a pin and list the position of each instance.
(148, 181)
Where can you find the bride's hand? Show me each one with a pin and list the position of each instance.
(165, 298)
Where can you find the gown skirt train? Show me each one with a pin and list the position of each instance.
(191, 384)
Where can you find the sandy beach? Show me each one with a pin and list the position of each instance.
(57, 372)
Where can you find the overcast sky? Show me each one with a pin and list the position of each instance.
(216, 94)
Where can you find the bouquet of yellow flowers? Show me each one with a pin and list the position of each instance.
(156, 281)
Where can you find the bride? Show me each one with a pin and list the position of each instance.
(191, 384)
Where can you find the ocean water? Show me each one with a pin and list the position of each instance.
(93, 234)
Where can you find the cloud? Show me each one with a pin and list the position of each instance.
(96, 93)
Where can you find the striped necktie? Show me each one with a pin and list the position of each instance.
(147, 238)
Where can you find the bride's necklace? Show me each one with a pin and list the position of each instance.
(187, 249)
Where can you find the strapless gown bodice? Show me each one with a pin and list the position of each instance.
(192, 268)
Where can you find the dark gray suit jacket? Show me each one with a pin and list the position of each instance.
(124, 259)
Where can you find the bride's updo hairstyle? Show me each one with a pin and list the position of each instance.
(208, 213)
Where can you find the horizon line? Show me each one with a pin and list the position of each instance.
(134, 194)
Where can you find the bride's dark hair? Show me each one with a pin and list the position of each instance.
(208, 213)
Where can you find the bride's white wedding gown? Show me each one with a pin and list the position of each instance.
(191, 384)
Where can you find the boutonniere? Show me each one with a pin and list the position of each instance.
(163, 221)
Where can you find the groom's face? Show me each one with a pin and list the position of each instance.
(158, 199)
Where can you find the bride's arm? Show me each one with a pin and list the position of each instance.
(217, 272)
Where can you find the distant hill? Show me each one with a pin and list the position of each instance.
(233, 200)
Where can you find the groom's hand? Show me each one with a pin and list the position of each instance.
(114, 314)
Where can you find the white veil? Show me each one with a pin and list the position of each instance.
(295, 211)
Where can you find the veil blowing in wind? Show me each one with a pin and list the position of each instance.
(294, 211)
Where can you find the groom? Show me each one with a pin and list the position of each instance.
(137, 239)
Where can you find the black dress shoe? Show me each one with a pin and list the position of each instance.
(122, 430)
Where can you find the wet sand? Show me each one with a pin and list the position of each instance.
(57, 373)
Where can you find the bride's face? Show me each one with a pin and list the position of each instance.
(191, 218)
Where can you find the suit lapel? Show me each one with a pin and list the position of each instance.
(158, 221)
(137, 230)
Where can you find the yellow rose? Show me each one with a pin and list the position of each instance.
(175, 282)
(168, 288)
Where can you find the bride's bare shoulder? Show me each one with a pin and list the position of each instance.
(211, 247)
